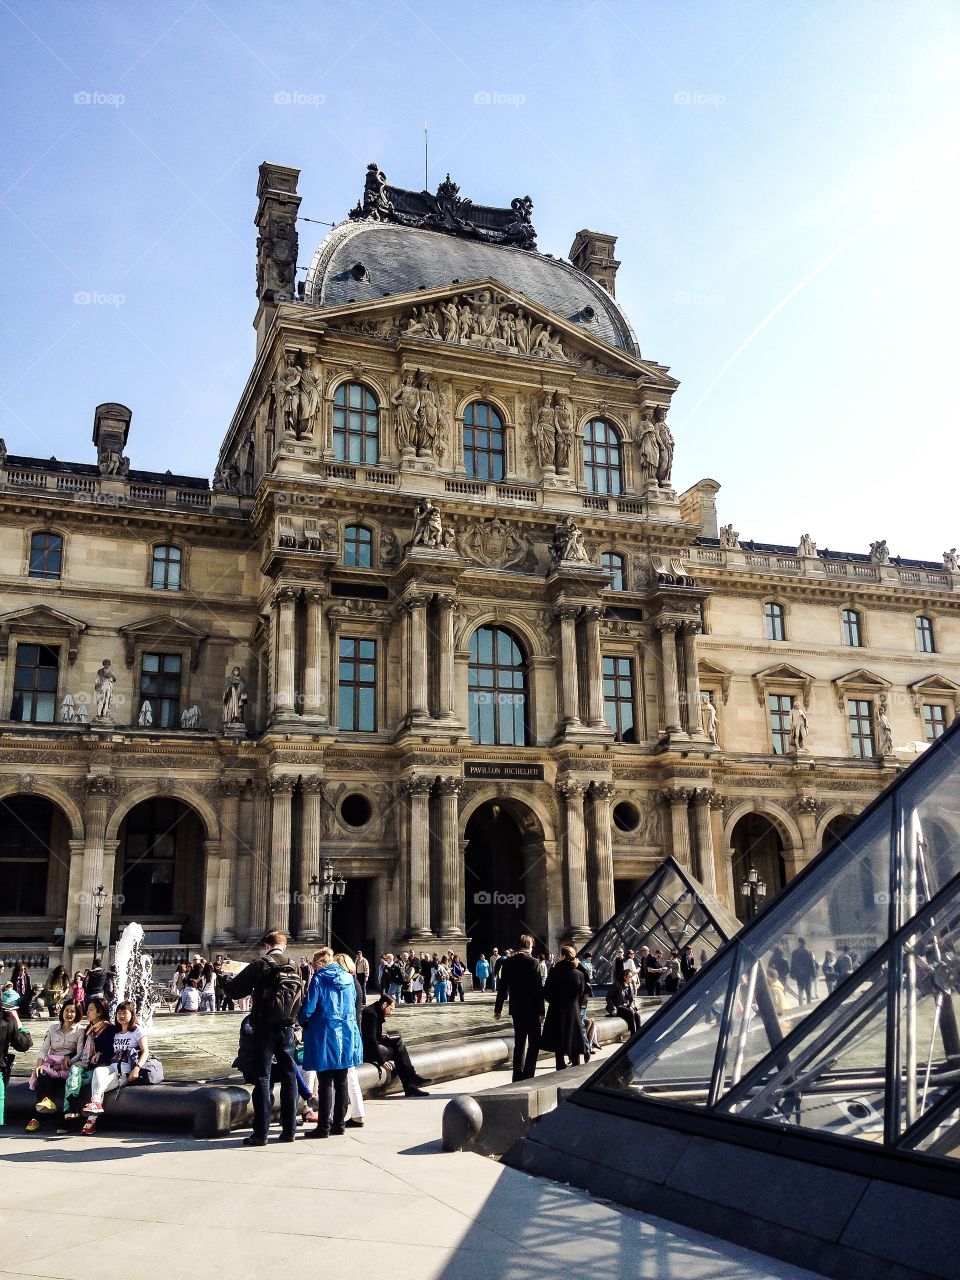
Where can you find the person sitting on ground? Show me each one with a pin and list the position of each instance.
(13, 1038)
(564, 990)
(620, 1005)
(37, 1008)
(380, 1047)
(129, 1057)
(60, 1048)
(189, 999)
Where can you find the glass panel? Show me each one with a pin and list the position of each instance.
(931, 808)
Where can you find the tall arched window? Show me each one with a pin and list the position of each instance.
(497, 689)
(357, 547)
(356, 424)
(46, 555)
(483, 448)
(602, 467)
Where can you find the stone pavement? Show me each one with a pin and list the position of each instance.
(383, 1198)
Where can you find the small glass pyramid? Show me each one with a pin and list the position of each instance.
(670, 910)
(866, 1046)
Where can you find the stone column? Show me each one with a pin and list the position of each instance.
(284, 602)
(601, 851)
(566, 615)
(451, 858)
(230, 792)
(594, 672)
(310, 858)
(260, 861)
(71, 927)
(418, 789)
(446, 702)
(706, 865)
(415, 608)
(668, 662)
(722, 863)
(99, 792)
(677, 798)
(314, 699)
(690, 630)
(806, 807)
(212, 863)
(575, 862)
(278, 895)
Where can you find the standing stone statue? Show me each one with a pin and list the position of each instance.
(428, 422)
(884, 729)
(729, 538)
(82, 714)
(709, 720)
(428, 526)
(545, 432)
(191, 718)
(799, 726)
(648, 446)
(665, 446)
(68, 712)
(880, 552)
(564, 422)
(145, 718)
(285, 390)
(234, 698)
(567, 543)
(807, 546)
(103, 690)
(951, 561)
(406, 404)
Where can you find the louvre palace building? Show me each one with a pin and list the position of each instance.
(441, 619)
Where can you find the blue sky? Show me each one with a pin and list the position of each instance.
(782, 178)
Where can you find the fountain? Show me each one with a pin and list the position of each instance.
(135, 974)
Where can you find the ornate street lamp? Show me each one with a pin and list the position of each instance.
(754, 889)
(325, 889)
(99, 900)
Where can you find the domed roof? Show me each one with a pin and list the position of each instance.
(400, 259)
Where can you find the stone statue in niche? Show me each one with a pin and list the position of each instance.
(709, 720)
(103, 690)
(799, 726)
(553, 431)
(665, 443)
(114, 463)
(428, 528)
(234, 698)
(729, 538)
(421, 415)
(296, 396)
(567, 543)
(68, 710)
(880, 552)
(564, 425)
(227, 478)
(884, 729)
(648, 446)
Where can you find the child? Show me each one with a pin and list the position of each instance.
(189, 1001)
(37, 1007)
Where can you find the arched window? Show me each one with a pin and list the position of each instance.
(356, 424)
(483, 449)
(613, 564)
(46, 555)
(357, 547)
(167, 563)
(852, 628)
(602, 469)
(925, 635)
(26, 824)
(775, 617)
(497, 689)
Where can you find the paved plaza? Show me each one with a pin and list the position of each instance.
(383, 1198)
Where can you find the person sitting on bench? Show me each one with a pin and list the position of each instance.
(380, 1047)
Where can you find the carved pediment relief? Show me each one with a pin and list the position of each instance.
(162, 633)
(495, 544)
(46, 624)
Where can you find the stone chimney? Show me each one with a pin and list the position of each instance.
(592, 253)
(111, 426)
(277, 241)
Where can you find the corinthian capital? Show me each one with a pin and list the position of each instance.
(450, 786)
(604, 790)
(572, 788)
(282, 785)
(418, 786)
(676, 795)
(667, 626)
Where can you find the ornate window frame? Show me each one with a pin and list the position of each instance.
(783, 677)
(44, 527)
(934, 688)
(929, 618)
(860, 683)
(169, 540)
(160, 634)
(784, 608)
(362, 379)
(862, 615)
(623, 437)
(349, 620)
(359, 522)
(624, 569)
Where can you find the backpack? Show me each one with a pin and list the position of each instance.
(281, 995)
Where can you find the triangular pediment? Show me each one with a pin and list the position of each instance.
(715, 671)
(544, 336)
(783, 673)
(40, 620)
(861, 681)
(164, 632)
(935, 688)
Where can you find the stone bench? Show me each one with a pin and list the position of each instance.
(207, 1111)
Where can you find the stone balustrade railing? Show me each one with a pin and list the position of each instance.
(104, 490)
(819, 567)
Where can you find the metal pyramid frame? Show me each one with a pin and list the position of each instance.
(671, 909)
(870, 1052)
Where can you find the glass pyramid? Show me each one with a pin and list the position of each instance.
(670, 910)
(866, 1046)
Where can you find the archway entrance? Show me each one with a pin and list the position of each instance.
(504, 878)
(835, 828)
(34, 867)
(159, 878)
(756, 842)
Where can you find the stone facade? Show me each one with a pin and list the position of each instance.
(339, 581)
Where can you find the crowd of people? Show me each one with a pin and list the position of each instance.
(38, 1000)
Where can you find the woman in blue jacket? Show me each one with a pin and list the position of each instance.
(331, 1039)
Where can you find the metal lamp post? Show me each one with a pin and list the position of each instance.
(327, 888)
(99, 900)
(753, 887)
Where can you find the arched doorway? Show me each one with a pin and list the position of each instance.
(504, 877)
(757, 843)
(34, 867)
(159, 877)
(835, 828)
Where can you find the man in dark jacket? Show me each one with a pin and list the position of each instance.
(270, 1040)
(379, 1047)
(565, 991)
(519, 984)
(803, 970)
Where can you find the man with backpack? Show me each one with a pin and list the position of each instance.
(277, 990)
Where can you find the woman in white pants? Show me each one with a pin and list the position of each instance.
(130, 1052)
(354, 1094)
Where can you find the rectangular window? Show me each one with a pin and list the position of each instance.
(160, 689)
(775, 614)
(46, 555)
(852, 630)
(167, 561)
(934, 720)
(357, 680)
(618, 698)
(925, 635)
(35, 684)
(780, 704)
(860, 719)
